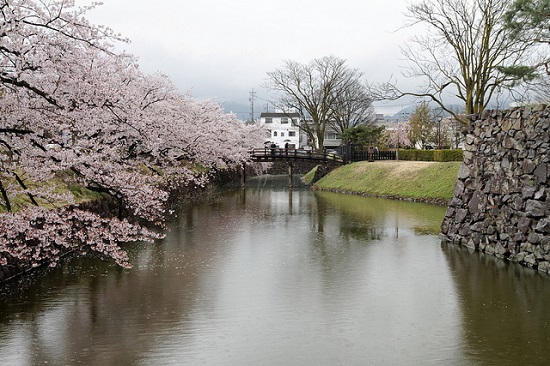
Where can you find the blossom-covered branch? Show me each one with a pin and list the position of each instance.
(69, 102)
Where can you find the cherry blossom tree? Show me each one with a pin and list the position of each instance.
(398, 136)
(70, 103)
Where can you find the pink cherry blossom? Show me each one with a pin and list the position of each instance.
(69, 103)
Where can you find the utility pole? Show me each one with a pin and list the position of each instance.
(439, 133)
(251, 99)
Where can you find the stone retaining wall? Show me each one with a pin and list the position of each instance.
(501, 202)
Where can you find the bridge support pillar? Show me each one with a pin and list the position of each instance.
(242, 173)
(289, 174)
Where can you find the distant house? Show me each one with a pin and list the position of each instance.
(332, 138)
(379, 120)
(282, 128)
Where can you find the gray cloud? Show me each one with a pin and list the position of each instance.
(220, 49)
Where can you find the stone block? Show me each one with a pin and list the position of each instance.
(540, 252)
(518, 125)
(475, 202)
(444, 227)
(534, 238)
(518, 257)
(509, 143)
(530, 260)
(535, 208)
(478, 227)
(528, 166)
(543, 226)
(451, 211)
(507, 125)
(517, 203)
(541, 173)
(528, 192)
(518, 237)
(461, 215)
(459, 188)
(463, 172)
(541, 194)
(524, 224)
(501, 249)
(470, 244)
(482, 246)
(544, 266)
(527, 247)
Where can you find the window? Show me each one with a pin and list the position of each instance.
(268, 120)
(291, 133)
(268, 134)
(274, 133)
(295, 121)
(284, 120)
(282, 134)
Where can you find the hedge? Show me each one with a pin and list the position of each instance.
(432, 155)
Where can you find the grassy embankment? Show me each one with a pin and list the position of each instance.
(414, 180)
(62, 183)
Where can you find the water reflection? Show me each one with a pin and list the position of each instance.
(272, 276)
(505, 308)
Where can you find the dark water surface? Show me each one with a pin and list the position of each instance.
(278, 277)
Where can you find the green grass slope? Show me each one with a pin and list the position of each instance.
(427, 181)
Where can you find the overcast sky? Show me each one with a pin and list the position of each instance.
(221, 49)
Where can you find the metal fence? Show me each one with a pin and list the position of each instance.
(355, 153)
(360, 155)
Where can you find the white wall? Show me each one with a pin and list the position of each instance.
(280, 133)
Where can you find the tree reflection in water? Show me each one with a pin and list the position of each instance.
(272, 276)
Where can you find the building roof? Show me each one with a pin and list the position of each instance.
(279, 114)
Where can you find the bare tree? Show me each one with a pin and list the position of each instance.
(353, 107)
(464, 52)
(314, 90)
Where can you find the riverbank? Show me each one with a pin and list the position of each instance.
(102, 204)
(431, 182)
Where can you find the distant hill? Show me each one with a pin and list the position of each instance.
(407, 112)
(241, 110)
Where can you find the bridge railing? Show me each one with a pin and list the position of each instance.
(270, 154)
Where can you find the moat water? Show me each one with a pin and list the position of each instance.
(271, 276)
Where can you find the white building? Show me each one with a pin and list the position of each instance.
(282, 129)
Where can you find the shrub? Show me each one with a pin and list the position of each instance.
(432, 155)
(448, 155)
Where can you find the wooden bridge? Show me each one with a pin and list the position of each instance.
(277, 154)
(268, 154)
(290, 156)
